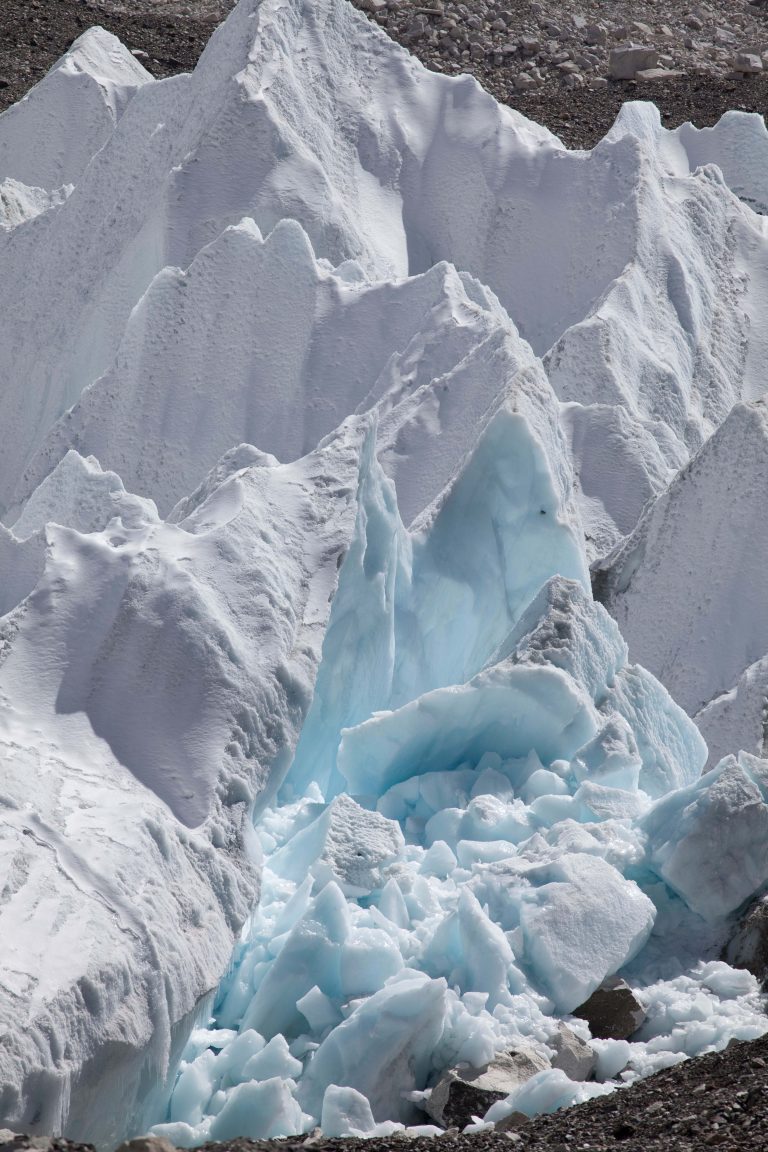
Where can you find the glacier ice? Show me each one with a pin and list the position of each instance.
(48, 139)
(723, 817)
(699, 624)
(493, 891)
(323, 385)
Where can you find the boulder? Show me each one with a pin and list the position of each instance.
(146, 1144)
(613, 1012)
(529, 45)
(512, 1122)
(572, 1055)
(464, 1092)
(748, 946)
(627, 60)
(595, 34)
(747, 63)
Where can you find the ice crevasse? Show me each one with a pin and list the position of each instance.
(324, 381)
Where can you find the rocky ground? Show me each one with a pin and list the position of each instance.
(166, 35)
(551, 61)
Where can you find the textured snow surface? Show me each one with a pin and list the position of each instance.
(323, 381)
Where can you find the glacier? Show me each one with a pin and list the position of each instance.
(329, 389)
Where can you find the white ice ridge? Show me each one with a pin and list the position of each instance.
(687, 589)
(323, 378)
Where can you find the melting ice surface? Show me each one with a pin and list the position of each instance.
(501, 855)
(325, 381)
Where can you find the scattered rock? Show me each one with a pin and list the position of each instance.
(464, 1092)
(572, 1055)
(529, 45)
(656, 74)
(14, 1142)
(613, 1012)
(747, 63)
(748, 946)
(595, 34)
(512, 1122)
(146, 1144)
(452, 38)
(626, 61)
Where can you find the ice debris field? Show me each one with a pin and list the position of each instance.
(329, 388)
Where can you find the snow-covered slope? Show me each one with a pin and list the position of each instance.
(322, 380)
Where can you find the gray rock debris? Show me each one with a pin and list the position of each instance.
(500, 43)
(747, 63)
(656, 74)
(748, 946)
(146, 1144)
(613, 1012)
(15, 1142)
(572, 1055)
(627, 60)
(595, 34)
(464, 1092)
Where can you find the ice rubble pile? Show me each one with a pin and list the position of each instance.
(325, 379)
(512, 861)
